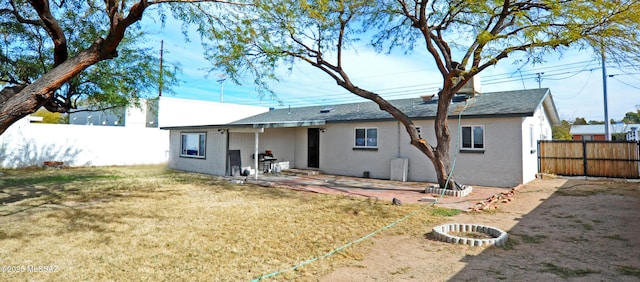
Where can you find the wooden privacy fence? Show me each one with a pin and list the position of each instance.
(619, 159)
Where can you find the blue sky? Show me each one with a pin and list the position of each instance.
(575, 79)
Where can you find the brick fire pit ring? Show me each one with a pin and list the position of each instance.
(441, 233)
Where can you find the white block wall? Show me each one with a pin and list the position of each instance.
(30, 144)
(184, 112)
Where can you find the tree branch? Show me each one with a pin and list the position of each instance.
(51, 25)
(200, 1)
(19, 17)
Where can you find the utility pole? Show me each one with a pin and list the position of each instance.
(161, 52)
(539, 79)
(221, 81)
(607, 134)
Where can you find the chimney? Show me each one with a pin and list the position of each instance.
(472, 87)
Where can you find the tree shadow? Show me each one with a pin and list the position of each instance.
(26, 152)
(585, 230)
(42, 187)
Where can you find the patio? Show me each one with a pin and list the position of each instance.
(375, 189)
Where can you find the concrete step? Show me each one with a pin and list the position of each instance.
(301, 172)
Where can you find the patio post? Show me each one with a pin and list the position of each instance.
(255, 155)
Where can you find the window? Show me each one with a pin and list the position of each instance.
(193, 145)
(366, 137)
(473, 137)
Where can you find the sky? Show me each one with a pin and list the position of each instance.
(574, 78)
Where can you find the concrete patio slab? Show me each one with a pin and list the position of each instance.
(377, 189)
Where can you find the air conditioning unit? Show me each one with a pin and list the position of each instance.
(399, 169)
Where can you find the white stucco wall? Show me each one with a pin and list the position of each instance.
(184, 112)
(541, 131)
(27, 144)
(137, 116)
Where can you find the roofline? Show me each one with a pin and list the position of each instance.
(280, 124)
(547, 101)
(286, 124)
(204, 126)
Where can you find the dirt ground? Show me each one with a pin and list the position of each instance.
(560, 229)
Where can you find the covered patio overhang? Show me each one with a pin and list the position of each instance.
(255, 128)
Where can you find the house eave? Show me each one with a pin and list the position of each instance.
(510, 115)
(551, 110)
(206, 126)
(280, 124)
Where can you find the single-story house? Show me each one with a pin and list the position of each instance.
(590, 132)
(497, 145)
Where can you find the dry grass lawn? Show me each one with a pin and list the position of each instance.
(147, 223)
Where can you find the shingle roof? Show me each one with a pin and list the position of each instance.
(492, 104)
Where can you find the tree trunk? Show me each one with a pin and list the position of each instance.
(442, 160)
(439, 155)
(30, 98)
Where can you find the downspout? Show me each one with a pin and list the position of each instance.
(398, 133)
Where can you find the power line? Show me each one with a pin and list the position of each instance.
(627, 84)
(584, 86)
(323, 96)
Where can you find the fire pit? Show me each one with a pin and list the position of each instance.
(470, 234)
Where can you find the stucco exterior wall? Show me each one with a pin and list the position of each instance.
(509, 156)
(245, 142)
(338, 156)
(215, 153)
(542, 130)
(505, 162)
(499, 164)
(301, 148)
(281, 142)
